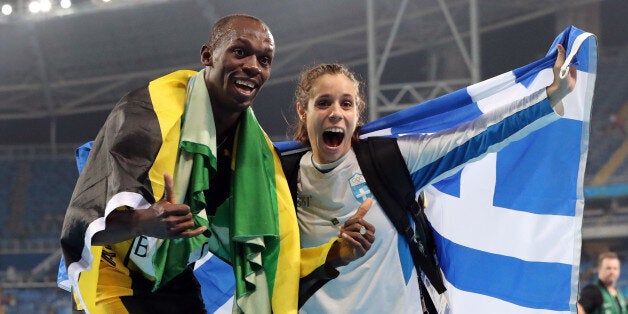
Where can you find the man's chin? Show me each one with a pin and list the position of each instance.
(244, 102)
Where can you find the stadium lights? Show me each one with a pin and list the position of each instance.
(45, 5)
(7, 9)
(65, 4)
(34, 7)
(13, 10)
(37, 6)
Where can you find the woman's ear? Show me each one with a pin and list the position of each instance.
(301, 111)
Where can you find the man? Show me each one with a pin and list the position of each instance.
(132, 229)
(603, 297)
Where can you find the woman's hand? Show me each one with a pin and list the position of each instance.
(356, 237)
(561, 86)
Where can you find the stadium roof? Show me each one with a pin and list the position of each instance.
(62, 71)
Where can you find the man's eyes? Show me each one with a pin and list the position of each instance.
(265, 61)
(241, 53)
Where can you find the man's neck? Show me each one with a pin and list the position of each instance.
(612, 289)
(225, 122)
(225, 126)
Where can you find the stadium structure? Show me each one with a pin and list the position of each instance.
(65, 64)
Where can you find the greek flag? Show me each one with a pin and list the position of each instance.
(508, 227)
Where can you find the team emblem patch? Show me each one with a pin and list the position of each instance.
(359, 188)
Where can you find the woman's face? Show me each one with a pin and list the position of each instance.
(331, 116)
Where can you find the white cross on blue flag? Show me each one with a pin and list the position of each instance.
(508, 226)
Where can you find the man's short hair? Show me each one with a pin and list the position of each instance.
(220, 28)
(605, 255)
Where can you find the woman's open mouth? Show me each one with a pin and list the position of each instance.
(333, 137)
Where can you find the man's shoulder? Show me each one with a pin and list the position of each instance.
(135, 100)
(137, 95)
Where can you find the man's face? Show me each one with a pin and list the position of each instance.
(608, 271)
(238, 66)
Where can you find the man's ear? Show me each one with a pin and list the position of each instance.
(206, 56)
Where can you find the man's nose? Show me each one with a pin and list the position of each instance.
(252, 65)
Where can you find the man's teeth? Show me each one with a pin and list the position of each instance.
(245, 83)
(335, 130)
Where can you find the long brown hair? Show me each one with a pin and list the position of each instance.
(304, 87)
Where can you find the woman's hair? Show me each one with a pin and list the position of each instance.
(304, 87)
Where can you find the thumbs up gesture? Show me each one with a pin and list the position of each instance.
(165, 219)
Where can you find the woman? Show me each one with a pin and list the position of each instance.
(330, 184)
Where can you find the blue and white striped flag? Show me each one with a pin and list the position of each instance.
(508, 227)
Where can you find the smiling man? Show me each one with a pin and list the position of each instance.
(172, 164)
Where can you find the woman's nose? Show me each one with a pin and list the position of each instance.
(335, 115)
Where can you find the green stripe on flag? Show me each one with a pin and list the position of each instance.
(255, 223)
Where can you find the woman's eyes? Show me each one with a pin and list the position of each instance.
(238, 52)
(323, 103)
(328, 102)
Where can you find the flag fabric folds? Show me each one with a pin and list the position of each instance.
(175, 138)
(216, 276)
(508, 227)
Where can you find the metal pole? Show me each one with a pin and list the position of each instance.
(45, 83)
(476, 69)
(373, 80)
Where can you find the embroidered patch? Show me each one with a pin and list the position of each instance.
(359, 188)
(303, 201)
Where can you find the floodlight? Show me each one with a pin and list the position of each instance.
(66, 4)
(7, 9)
(45, 5)
(34, 6)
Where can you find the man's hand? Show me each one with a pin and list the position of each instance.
(357, 236)
(164, 220)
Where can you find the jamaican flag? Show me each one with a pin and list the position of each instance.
(168, 127)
